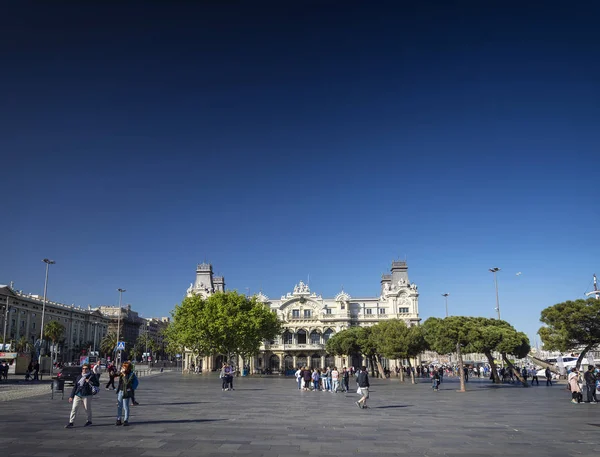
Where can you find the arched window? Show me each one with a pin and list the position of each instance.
(315, 337)
(274, 362)
(287, 338)
(327, 335)
(301, 360)
(301, 337)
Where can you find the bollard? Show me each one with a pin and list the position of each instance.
(59, 386)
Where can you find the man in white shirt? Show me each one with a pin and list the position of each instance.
(335, 376)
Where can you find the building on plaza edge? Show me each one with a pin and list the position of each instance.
(21, 318)
(309, 320)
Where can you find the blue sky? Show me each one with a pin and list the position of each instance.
(308, 139)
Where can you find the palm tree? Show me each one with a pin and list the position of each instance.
(54, 331)
(108, 343)
(22, 344)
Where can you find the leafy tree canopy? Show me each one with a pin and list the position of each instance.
(224, 323)
(344, 342)
(571, 325)
(54, 331)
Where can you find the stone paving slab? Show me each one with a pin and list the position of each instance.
(189, 415)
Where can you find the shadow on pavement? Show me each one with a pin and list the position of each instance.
(179, 421)
(392, 406)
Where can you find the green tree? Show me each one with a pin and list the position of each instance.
(395, 340)
(144, 343)
(452, 334)
(22, 345)
(224, 323)
(488, 339)
(571, 325)
(517, 344)
(108, 344)
(344, 343)
(54, 331)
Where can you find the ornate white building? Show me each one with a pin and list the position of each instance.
(309, 320)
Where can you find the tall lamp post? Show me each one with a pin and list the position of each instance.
(48, 262)
(119, 326)
(6, 308)
(496, 270)
(446, 297)
(95, 328)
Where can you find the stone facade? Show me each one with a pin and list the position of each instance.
(23, 318)
(129, 324)
(309, 320)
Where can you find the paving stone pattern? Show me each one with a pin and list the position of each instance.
(189, 415)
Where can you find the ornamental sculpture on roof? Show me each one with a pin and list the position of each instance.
(301, 288)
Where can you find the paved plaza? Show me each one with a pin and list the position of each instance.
(189, 415)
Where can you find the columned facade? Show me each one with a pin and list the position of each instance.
(309, 320)
(21, 318)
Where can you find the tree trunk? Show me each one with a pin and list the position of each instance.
(515, 371)
(412, 373)
(461, 373)
(371, 365)
(582, 355)
(379, 366)
(493, 367)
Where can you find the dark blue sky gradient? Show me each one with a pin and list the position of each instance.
(320, 138)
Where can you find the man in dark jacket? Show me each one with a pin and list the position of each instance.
(363, 382)
(590, 384)
(82, 394)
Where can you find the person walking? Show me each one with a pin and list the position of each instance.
(363, 382)
(435, 381)
(548, 375)
(82, 394)
(112, 374)
(534, 376)
(524, 373)
(128, 382)
(590, 384)
(298, 375)
(574, 386)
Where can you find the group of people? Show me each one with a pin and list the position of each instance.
(332, 380)
(33, 371)
(327, 380)
(4, 371)
(226, 376)
(87, 385)
(590, 382)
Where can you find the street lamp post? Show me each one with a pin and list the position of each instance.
(95, 328)
(5, 325)
(496, 270)
(48, 262)
(446, 297)
(119, 326)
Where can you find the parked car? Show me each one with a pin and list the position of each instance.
(68, 374)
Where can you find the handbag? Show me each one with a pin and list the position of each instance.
(95, 390)
(358, 391)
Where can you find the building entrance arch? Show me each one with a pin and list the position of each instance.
(274, 362)
(301, 360)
